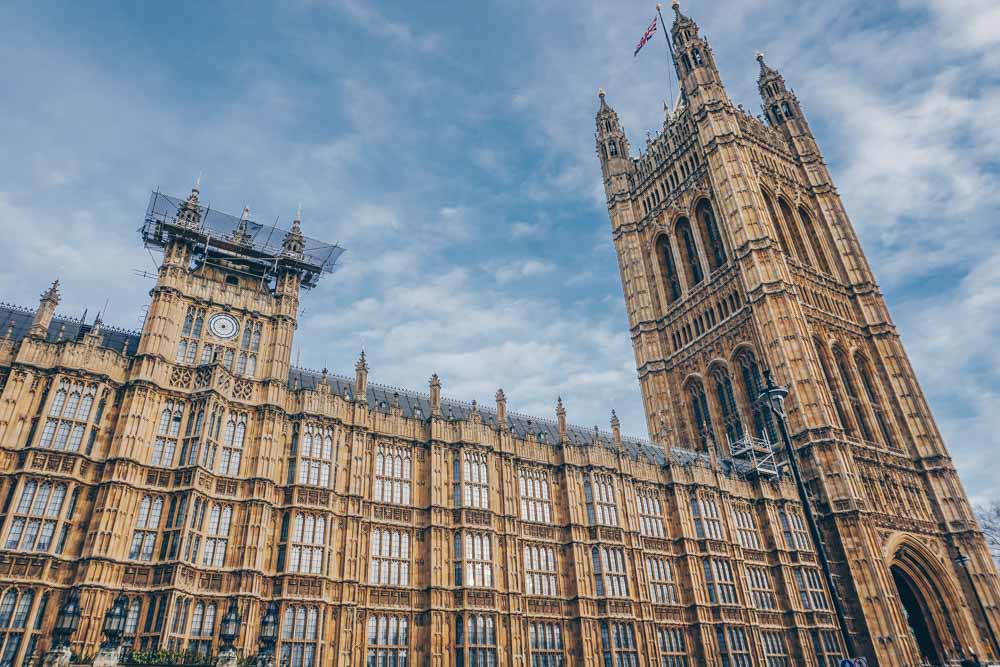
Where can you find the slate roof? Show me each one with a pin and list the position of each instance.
(416, 404)
(18, 320)
(380, 397)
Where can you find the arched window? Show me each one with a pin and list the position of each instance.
(689, 253)
(763, 424)
(696, 56)
(874, 399)
(710, 228)
(793, 231)
(613, 148)
(16, 628)
(299, 633)
(776, 112)
(817, 247)
(778, 227)
(852, 393)
(388, 640)
(699, 412)
(831, 382)
(232, 446)
(315, 454)
(787, 110)
(727, 403)
(666, 258)
(390, 561)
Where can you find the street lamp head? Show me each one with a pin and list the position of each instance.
(67, 619)
(229, 629)
(775, 394)
(114, 621)
(269, 627)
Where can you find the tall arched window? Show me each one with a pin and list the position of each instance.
(299, 632)
(874, 399)
(814, 241)
(666, 258)
(793, 231)
(778, 227)
(727, 404)
(852, 393)
(763, 424)
(831, 382)
(710, 228)
(699, 412)
(689, 253)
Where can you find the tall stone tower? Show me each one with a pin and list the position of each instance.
(736, 254)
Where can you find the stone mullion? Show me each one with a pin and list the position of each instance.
(14, 400)
(136, 424)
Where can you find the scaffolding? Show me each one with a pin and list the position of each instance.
(758, 453)
(261, 249)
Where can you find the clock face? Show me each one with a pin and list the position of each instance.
(223, 326)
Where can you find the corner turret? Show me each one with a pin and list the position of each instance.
(46, 310)
(613, 150)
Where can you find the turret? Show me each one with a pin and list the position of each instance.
(46, 310)
(561, 419)
(361, 379)
(780, 105)
(695, 62)
(613, 150)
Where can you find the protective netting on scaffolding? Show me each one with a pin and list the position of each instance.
(166, 214)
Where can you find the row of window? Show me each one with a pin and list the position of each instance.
(688, 272)
(195, 624)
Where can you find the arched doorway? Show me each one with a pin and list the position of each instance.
(918, 618)
(930, 602)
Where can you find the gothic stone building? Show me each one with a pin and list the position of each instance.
(192, 465)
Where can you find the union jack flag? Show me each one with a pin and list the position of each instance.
(650, 31)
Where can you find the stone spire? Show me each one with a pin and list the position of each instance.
(46, 310)
(361, 379)
(501, 409)
(242, 233)
(779, 104)
(294, 243)
(189, 212)
(616, 428)
(612, 149)
(435, 396)
(561, 419)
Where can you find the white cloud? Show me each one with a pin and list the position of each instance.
(520, 269)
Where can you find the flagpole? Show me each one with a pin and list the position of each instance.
(670, 50)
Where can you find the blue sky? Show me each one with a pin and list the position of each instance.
(450, 148)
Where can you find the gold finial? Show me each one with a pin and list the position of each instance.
(760, 56)
(676, 5)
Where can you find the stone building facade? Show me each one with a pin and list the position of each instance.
(191, 464)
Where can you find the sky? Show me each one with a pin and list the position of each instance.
(449, 147)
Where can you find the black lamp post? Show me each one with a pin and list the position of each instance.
(67, 620)
(269, 629)
(775, 396)
(114, 622)
(963, 561)
(229, 629)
